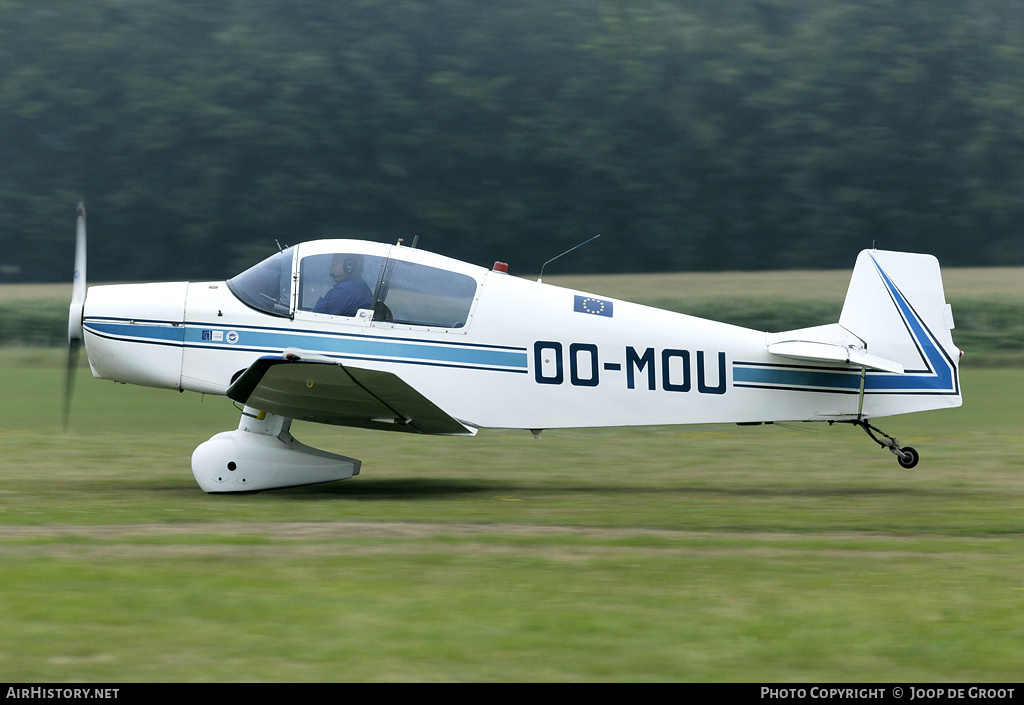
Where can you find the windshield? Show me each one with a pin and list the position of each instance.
(267, 286)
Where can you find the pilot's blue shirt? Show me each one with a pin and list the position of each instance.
(345, 298)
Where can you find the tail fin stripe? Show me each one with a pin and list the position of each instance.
(940, 378)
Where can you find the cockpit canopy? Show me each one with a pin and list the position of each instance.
(339, 278)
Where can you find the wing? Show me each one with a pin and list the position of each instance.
(311, 388)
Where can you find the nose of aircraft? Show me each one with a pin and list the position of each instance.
(134, 333)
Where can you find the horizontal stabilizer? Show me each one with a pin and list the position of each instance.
(830, 344)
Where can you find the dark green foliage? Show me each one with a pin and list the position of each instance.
(747, 135)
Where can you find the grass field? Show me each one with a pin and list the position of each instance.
(703, 553)
(669, 553)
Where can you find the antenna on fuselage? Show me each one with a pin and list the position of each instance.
(541, 277)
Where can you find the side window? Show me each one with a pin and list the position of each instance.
(338, 284)
(418, 295)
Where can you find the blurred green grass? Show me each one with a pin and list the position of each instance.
(702, 553)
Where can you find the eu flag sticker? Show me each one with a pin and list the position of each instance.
(593, 306)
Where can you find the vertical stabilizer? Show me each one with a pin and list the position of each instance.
(896, 305)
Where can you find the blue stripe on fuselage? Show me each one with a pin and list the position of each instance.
(330, 344)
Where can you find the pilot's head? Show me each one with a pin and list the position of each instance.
(345, 266)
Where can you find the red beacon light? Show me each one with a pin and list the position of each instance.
(500, 267)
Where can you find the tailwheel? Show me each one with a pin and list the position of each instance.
(907, 457)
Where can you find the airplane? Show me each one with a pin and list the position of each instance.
(396, 338)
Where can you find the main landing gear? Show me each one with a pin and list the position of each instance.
(907, 457)
(262, 455)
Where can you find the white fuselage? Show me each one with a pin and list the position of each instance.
(529, 355)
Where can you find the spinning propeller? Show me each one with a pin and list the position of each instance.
(75, 335)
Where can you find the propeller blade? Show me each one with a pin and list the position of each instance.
(75, 334)
(78, 279)
(74, 346)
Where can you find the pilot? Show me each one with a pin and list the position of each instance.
(350, 293)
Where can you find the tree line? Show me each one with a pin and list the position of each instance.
(693, 135)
